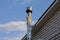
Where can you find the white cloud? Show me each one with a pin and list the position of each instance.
(20, 2)
(26, 2)
(12, 26)
(16, 25)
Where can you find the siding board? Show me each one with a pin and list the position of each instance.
(50, 29)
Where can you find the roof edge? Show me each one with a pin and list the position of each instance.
(46, 15)
(45, 12)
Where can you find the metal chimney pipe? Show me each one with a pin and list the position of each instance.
(29, 21)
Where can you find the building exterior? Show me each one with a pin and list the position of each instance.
(48, 25)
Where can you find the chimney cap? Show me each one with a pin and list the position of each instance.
(29, 9)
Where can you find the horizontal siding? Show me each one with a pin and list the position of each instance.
(50, 29)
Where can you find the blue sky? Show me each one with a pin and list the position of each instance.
(13, 16)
